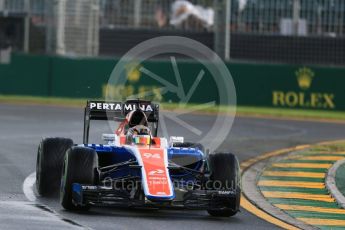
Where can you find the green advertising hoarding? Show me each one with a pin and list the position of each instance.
(285, 86)
(289, 86)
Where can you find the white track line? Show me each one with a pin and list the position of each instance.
(28, 187)
(29, 192)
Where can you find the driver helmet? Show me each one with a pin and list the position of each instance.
(137, 117)
(138, 135)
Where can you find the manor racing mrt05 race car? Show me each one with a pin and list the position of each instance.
(136, 168)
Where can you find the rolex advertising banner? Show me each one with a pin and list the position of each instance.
(288, 86)
(279, 86)
(307, 95)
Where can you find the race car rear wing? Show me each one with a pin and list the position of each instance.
(105, 110)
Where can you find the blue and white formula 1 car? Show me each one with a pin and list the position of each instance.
(136, 168)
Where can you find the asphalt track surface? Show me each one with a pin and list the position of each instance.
(22, 127)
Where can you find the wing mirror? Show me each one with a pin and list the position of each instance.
(175, 139)
(109, 137)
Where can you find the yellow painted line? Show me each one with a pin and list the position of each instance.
(323, 222)
(294, 174)
(329, 143)
(249, 162)
(295, 195)
(318, 157)
(310, 209)
(324, 153)
(296, 184)
(263, 215)
(301, 165)
(285, 118)
(323, 158)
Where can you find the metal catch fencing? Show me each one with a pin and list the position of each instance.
(153, 14)
(286, 31)
(289, 17)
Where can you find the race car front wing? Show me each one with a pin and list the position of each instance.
(94, 195)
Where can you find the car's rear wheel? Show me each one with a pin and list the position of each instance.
(225, 176)
(50, 155)
(79, 166)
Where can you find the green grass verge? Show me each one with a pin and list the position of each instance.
(340, 179)
(340, 173)
(42, 101)
(241, 110)
(292, 113)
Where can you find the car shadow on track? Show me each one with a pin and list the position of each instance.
(154, 214)
(145, 213)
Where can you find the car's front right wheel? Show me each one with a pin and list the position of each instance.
(225, 176)
(79, 167)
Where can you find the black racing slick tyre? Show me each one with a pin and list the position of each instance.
(79, 166)
(50, 156)
(225, 175)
